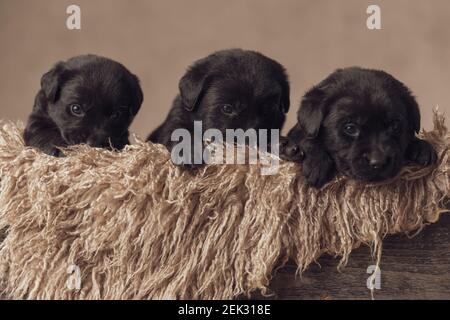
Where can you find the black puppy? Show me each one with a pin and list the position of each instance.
(360, 122)
(229, 89)
(88, 99)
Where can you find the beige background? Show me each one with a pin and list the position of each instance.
(158, 39)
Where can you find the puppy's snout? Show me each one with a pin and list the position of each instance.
(376, 159)
(291, 150)
(98, 141)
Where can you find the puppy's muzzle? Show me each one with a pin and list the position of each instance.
(376, 159)
(73, 137)
(375, 165)
(290, 150)
(107, 141)
(99, 142)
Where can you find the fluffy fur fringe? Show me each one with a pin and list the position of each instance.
(137, 227)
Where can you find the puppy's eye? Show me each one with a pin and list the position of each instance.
(227, 109)
(76, 110)
(116, 115)
(351, 129)
(395, 125)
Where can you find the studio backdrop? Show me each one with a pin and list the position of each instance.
(159, 39)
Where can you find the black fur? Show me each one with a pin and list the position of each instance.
(255, 87)
(108, 95)
(360, 122)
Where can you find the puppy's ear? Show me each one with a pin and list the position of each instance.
(412, 108)
(138, 95)
(282, 78)
(312, 112)
(191, 87)
(52, 80)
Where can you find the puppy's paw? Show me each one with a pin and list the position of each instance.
(421, 152)
(318, 167)
(317, 174)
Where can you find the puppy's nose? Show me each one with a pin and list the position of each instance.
(98, 142)
(293, 152)
(376, 159)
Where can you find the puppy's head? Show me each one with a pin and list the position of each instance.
(233, 89)
(364, 119)
(92, 100)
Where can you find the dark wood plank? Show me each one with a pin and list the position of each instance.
(417, 268)
(2, 237)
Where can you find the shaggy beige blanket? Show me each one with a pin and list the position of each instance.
(130, 225)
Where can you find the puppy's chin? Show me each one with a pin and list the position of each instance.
(73, 138)
(357, 171)
(113, 143)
